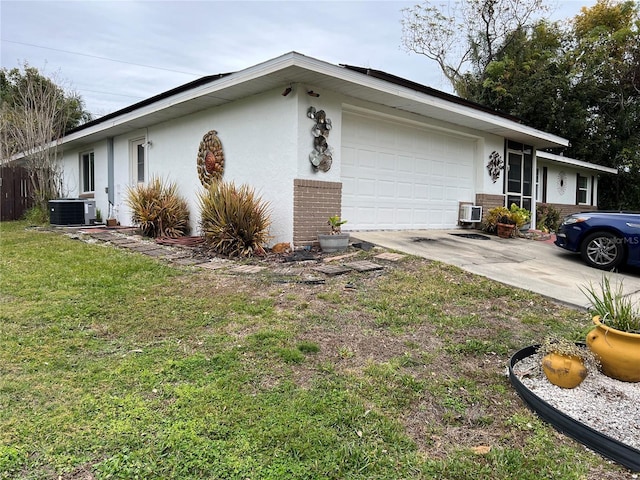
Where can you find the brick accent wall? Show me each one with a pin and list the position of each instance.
(313, 203)
(491, 201)
(569, 209)
(488, 202)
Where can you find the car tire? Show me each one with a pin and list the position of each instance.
(603, 250)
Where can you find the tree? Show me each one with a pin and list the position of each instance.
(467, 34)
(606, 71)
(36, 112)
(528, 78)
(580, 81)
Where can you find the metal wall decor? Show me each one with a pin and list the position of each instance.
(495, 165)
(321, 157)
(562, 183)
(210, 159)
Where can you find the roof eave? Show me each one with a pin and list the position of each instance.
(297, 68)
(576, 163)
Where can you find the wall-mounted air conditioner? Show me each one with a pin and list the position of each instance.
(470, 213)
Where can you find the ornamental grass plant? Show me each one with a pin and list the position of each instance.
(158, 209)
(614, 308)
(234, 220)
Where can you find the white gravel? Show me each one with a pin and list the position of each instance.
(607, 405)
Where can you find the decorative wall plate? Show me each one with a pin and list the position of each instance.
(210, 159)
(325, 162)
(562, 183)
(314, 158)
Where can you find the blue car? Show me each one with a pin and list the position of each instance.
(605, 240)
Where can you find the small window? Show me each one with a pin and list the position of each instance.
(583, 190)
(138, 161)
(87, 172)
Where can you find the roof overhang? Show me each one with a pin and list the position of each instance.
(294, 68)
(576, 163)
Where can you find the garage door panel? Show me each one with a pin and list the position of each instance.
(385, 215)
(421, 191)
(404, 216)
(386, 189)
(403, 176)
(366, 187)
(422, 165)
(405, 191)
(386, 161)
(436, 193)
(405, 164)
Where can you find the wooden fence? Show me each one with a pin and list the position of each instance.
(15, 193)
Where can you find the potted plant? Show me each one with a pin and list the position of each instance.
(615, 339)
(499, 221)
(505, 221)
(565, 363)
(521, 216)
(336, 241)
(506, 226)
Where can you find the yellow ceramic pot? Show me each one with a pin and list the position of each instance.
(618, 351)
(566, 371)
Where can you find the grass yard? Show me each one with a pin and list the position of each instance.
(114, 365)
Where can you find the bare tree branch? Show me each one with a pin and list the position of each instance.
(36, 111)
(464, 35)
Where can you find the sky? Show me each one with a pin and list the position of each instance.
(116, 53)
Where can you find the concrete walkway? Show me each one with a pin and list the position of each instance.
(533, 265)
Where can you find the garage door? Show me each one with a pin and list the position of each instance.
(399, 176)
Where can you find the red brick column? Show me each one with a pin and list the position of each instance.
(313, 203)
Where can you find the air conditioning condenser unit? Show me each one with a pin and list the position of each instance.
(70, 211)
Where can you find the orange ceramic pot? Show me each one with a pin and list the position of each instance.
(566, 371)
(618, 351)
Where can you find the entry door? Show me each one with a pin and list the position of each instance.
(519, 179)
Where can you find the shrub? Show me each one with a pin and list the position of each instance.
(234, 221)
(494, 216)
(547, 217)
(512, 216)
(37, 215)
(158, 209)
(521, 216)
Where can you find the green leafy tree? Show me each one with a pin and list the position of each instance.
(35, 113)
(529, 78)
(579, 80)
(606, 71)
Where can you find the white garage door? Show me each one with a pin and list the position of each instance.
(397, 176)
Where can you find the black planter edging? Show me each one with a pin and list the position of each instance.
(603, 444)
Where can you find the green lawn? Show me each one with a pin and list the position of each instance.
(115, 365)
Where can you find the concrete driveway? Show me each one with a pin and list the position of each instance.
(533, 265)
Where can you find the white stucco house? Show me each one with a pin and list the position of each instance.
(317, 139)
